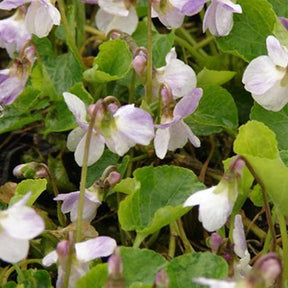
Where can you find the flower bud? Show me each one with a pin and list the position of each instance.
(140, 63)
(215, 242)
(63, 248)
(30, 170)
(113, 178)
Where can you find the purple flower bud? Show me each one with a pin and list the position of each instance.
(237, 165)
(30, 170)
(140, 62)
(215, 242)
(115, 264)
(63, 248)
(161, 279)
(113, 178)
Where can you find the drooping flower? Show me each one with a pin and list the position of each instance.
(18, 225)
(13, 79)
(13, 33)
(168, 14)
(173, 132)
(70, 204)
(189, 7)
(41, 15)
(86, 251)
(219, 17)
(177, 75)
(216, 203)
(266, 77)
(120, 15)
(120, 128)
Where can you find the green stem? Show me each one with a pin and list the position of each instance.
(188, 247)
(68, 267)
(149, 54)
(138, 240)
(69, 35)
(190, 48)
(172, 239)
(283, 231)
(266, 204)
(132, 87)
(138, 158)
(19, 273)
(84, 176)
(204, 42)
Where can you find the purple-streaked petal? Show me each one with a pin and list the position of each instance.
(96, 149)
(74, 137)
(135, 123)
(230, 6)
(4, 75)
(101, 246)
(273, 99)
(188, 104)
(214, 208)
(69, 201)
(50, 258)
(12, 249)
(77, 107)
(115, 7)
(261, 75)
(240, 246)
(161, 142)
(12, 4)
(189, 7)
(40, 18)
(215, 283)
(22, 222)
(277, 53)
(107, 22)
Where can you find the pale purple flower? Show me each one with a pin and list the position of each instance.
(13, 79)
(70, 204)
(107, 21)
(177, 75)
(41, 15)
(266, 77)
(216, 203)
(118, 128)
(13, 33)
(219, 17)
(215, 283)
(18, 224)
(86, 251)
(168, 14)
(189, 7)
(173, 132)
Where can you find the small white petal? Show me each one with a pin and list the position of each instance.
(13, 250)
(50, 258)
(277, 52)
(161, 142)
(239, 239)
(107, 22)
(178, 136)
(223, 21)
(261, 75)
(115, 7)
(96, 150)
(214, 209)
(101, 246)
(74, 137)
(215, 283)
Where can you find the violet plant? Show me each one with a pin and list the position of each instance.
(177, 180)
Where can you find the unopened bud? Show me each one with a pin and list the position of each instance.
(30, 170)
(113, 178)
(237, 165)
(140, 62)
(91, 109)
(63, 248)
(215, 242)
(161, 279)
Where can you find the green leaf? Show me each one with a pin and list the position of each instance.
(112, 63)
(183, 269)
(10, 284)
(256, 196)
(161, 43)
(95, 278)
(36, 279)
(276, 121)
(257, 143)
(284, 156)
(140, 265)
(127, 186)
(159, 200)
(280, 7)
(251, 28)
(35, 186)
(216, 112)
(256, 139)
(213, 77)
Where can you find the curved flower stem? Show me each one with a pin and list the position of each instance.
(186, 243)
(84, 176)
(266, 204)
(172, 239)
(283, 231)
(138, 240)
(69, 36)
(148, 96)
